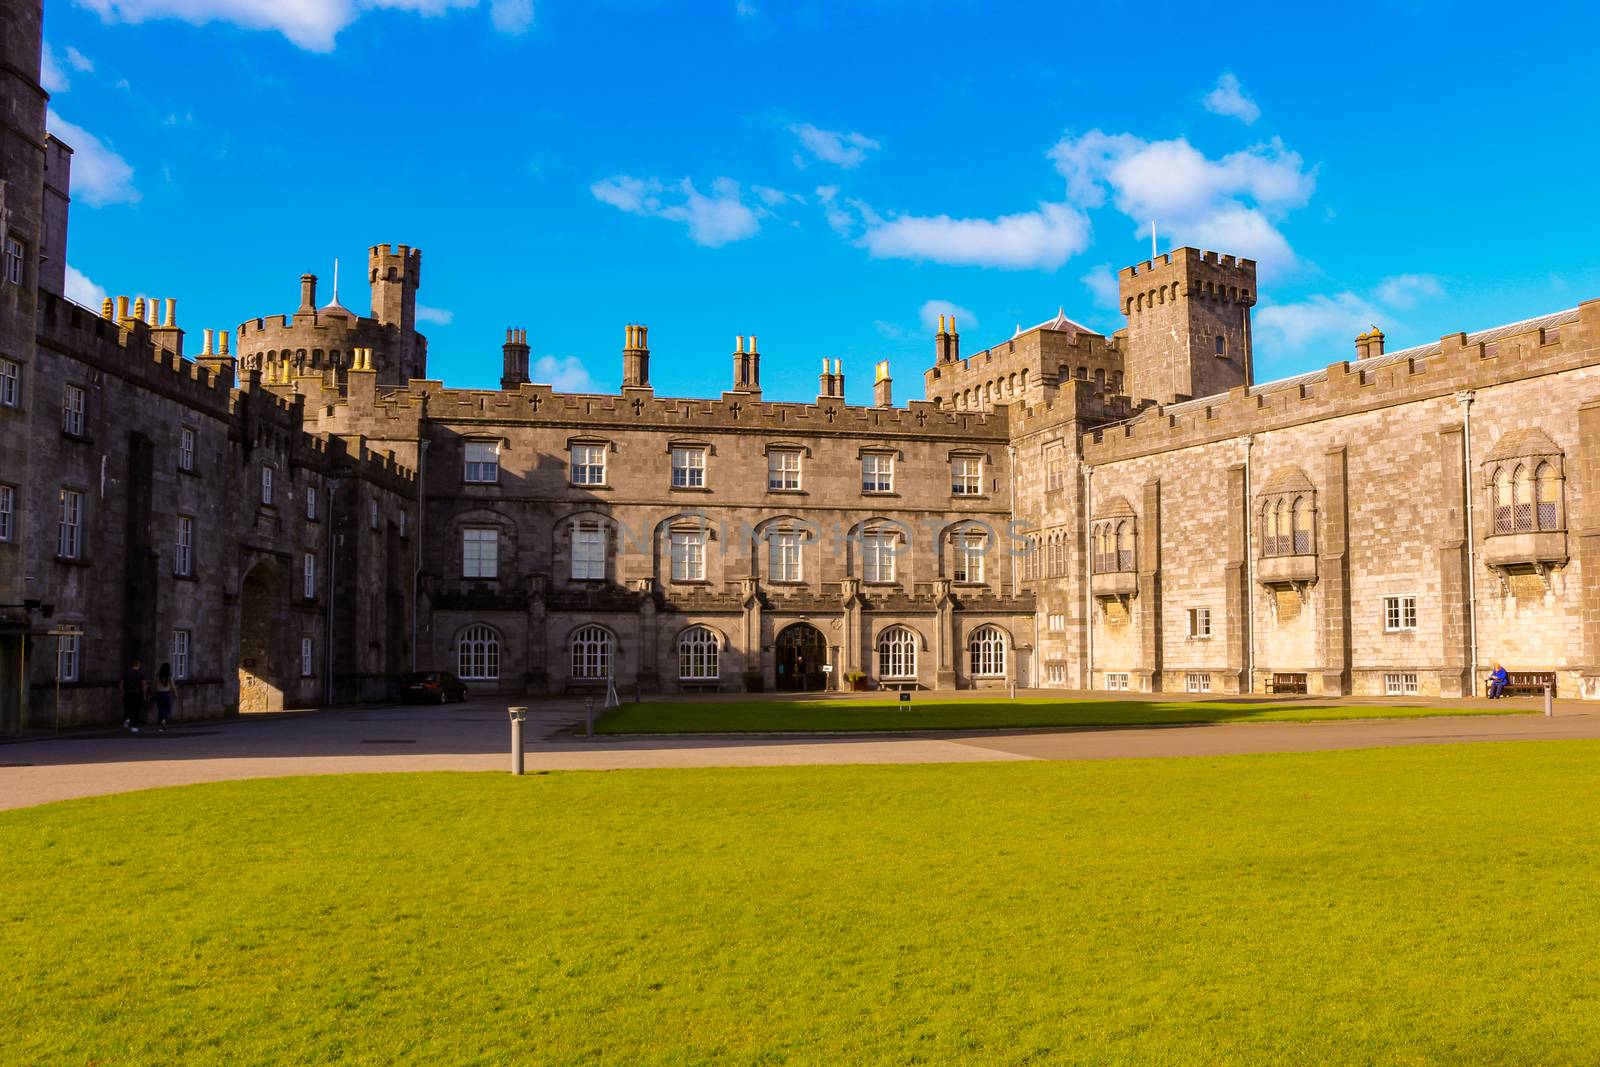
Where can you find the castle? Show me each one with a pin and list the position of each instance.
(295, 514)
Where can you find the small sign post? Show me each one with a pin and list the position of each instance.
(517, 716)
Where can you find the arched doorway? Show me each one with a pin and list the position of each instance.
(259, 672)
(801, 653)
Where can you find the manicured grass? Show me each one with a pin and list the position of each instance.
(1413, 905)
(874, 713)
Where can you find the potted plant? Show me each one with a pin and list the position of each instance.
(857, 680)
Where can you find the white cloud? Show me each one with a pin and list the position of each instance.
(890, 330)
(566, 374)
(931, 310)
(1041, 239)
(511, 16)
(78, 61)
(82, 290)
(713, 220)
(1319, 317)
(51, 76)
(310, 24)
(1405, 290)
(776, 197)
(437, 316)
(1229, 99)
(1231, 204)
(846, 150)
(99, 175)
(839, 220)
(1102, 285)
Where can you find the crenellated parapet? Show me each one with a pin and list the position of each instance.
(1562, 341)
(1026, 368)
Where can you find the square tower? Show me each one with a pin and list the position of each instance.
(1188, 324)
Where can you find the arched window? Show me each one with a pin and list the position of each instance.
(1124, 547)
(1522, 499)
(478, 653)
(1501, 501)
(1547, 487)
(897, 654)
(697, 654)
(591, 653)
(1300, 513)
(1274, 525)
(986, 653)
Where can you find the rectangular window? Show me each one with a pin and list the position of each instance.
(1117, 681)
(1058, 623)
(305, 657)
(1056, 674)
(69, 525)
(10, 383)
(969, 557)
(878, 550)
(1054, 467)
(783, 556)
(180, 654)
(1399, 613)
(183, 550)
(966, 475)
(588, 464)
(1400, 685)
(783, 469)
(309, 568)
(266, 485)
(588, 552)
(74, 402)
(480, 553)
(688, 555)
(69, 651)
(311, 502)
(8, 513)
(372, 513)
(1199, 624)
(14, 261)
(877, 472)
(482, 462)
(1197, 682)
(688, 468)
(402, 518)
(186, 449)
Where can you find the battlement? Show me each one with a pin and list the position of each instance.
(1076, 401)
(130, 351)
(1186, 272)
(402, 263)
(1562, 341)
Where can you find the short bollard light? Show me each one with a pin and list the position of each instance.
(1549, 700)
(588, 716)
(518, 716)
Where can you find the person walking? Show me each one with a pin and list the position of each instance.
(135, 690)
(165, 689)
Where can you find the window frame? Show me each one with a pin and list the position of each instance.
(592, 650)
(308, 575)
(879, 548)
(473, 471)
(15, 267)
(308, 660)
(69, 648)
(693, 473)
(777, 465)
(183, 547)
(74, 410)
(10, 383)
(699, 654)
(968, 547)
(895, 653)
(186, 445)
(587, 468)
(579, 534)
(473, 563)
(877, 482)
(988, 652)
(478, 653)
(689, 565)
(1199, 624)
(1401, 684)
(69, 524)
(8, 512)
(1396, 610)
(269, 489)
(966, 475)
(182, 645)
(780, 544)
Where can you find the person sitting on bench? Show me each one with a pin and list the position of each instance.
(1498, 680)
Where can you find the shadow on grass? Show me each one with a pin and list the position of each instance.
(815, 716)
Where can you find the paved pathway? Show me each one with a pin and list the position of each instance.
(474, 737)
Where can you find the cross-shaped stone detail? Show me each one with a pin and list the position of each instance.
(734, 408)
(638, 405)
(830, 412)
(922, 417)
(536, 400)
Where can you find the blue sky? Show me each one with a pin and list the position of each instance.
(827, 176)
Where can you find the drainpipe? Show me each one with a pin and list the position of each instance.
(1011, 464)
(1465, 398)
(327, 635)
(1088, 572)
(1249, 574)
(416, 568)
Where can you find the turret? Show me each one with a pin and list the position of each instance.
(636, 356)
(1188, 324)
(514, 358)
(396, 276)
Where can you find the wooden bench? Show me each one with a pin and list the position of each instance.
(1287, 683)
(700, 687)
(1529, 683)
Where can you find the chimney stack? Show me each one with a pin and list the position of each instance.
(882, 386)
(1369, 344)
(636, 357)
(830, 383)
(514, 358)
(947, 343)
(746, 365)
(308, 292)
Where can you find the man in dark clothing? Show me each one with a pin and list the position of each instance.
(134, 691)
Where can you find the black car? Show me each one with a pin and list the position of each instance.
(431, 687)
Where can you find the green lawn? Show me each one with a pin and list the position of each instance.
(1400, 906)
(886, 713)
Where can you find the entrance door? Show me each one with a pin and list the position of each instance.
(259, 689)
(801, 653)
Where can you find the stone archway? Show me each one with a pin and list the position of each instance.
(801, 652)
(260, 672)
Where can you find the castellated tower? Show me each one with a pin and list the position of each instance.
(1188, 324)
(396, 275)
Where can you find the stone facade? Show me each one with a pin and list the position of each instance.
(305, 515)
